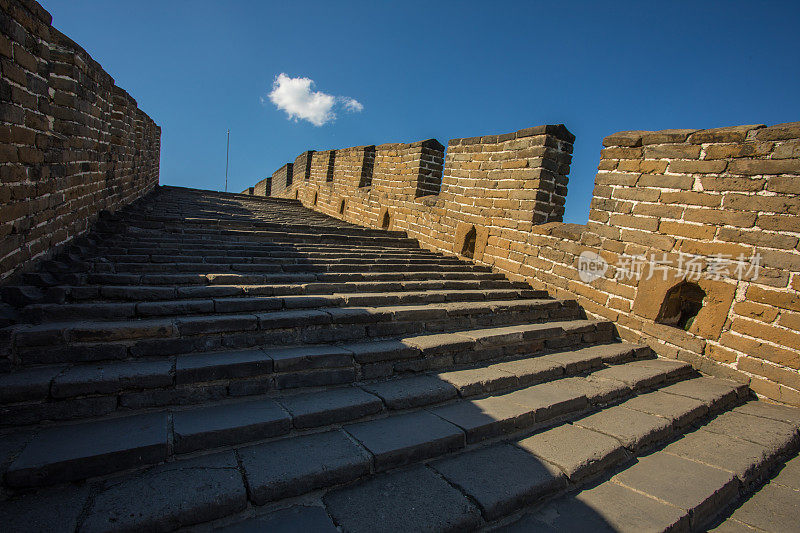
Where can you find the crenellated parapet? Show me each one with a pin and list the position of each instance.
(692, 244)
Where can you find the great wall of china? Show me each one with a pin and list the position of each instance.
(402, 337)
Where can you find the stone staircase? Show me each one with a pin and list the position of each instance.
(206, 360)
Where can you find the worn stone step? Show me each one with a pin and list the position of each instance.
(240, 285)
(495, 481)
(87, 390)
(687, 484)
(234, 423)
(120, 339)
(235, 278)
(464, 490)
(371, 260)
(148, 302)
(266, 268)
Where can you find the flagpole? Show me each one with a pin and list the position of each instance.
(227, 152)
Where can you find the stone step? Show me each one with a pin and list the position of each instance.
(245, 279)
(461, 490)
(159, 221)
(490, 482)
(44, 279)
(145, 254)
(59, 392)
(315, 252)
(188, 242)
(148, 302)
(179, 232)
(690, 482)
(78, 451)
(245, 286)
(265, 268)
(118, 338)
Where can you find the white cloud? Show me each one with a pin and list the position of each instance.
(297, 98)
(351, 104)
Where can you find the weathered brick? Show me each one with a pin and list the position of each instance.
(643, 166)
(725, 184)
(625, 138)
(748, 149)
(616, 178)
(757, 167)
(750, 202)
(782, 299)
(784, 184)
(692, 231)
(691, 198)
(723, 135)
(697, 167)
(672, 151)
(618, 152)
(778, 132)
(720, 217)
(666, 136)
(667, 182)
(758, 238)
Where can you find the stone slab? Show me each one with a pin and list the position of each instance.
(778, 437)
(783, 413)
(330, 407)
(291, 520)
(789, 475)
(221, 365)
(309, 357)
(66, 453)
(699, 489)
(637, 377)
(607, 508)
(549, 400)
(415, 391)
(501, 478)
(294, 466)
(169, 496)
(748, 460)
(579, 452)
(478, 381)
(774, 508)
(226, 424)
(680, 410)
(600, 391)
(44, 511)
(416, 499)
(531, 370)
(482, 419)
(442, 343)
(29, 384)
(634, 429)
(371, 352)
(716, 393)
(406, 438)
(203, 325)
(111, 378)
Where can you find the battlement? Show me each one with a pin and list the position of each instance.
(672, 210)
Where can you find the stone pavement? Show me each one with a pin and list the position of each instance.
(214, 361)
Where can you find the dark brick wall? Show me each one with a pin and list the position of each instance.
(72, 143)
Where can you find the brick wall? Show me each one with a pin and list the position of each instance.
(704, 206)
(263, 187)
(730, 198)
(71, 142)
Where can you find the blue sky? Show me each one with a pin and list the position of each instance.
(435, 69)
